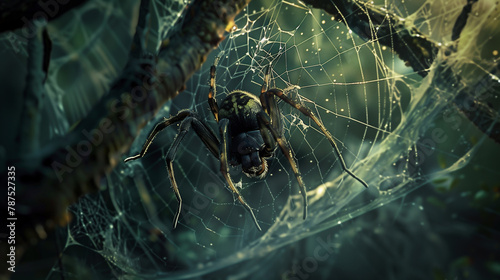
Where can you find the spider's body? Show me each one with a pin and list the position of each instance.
(247, 144)
(250, 130)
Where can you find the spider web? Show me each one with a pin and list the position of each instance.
(390, 125)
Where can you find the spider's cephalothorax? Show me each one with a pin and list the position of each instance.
(247, 143)
(250, 130)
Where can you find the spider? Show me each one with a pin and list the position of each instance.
(250, 131)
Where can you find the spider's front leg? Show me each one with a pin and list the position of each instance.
(267, 99)
(159, 127)
(265, 126)
(270, 121)
(306, 111)
(269, 104)
(189, 119)
(211, 93)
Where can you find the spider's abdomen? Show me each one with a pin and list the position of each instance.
(241, 109)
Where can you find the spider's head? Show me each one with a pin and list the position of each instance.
(253, 165)
(249, 153)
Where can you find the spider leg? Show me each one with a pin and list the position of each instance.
(183, 130)
(265, 124)
(207, 137)
(189, 119)
(269, 102)
(159, 127)
(211, 93)
(267, 76)
(223, 127)
(306, 111)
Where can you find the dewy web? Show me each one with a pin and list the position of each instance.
(371, 102)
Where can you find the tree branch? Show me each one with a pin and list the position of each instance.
(34, 92)
(375, 24)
